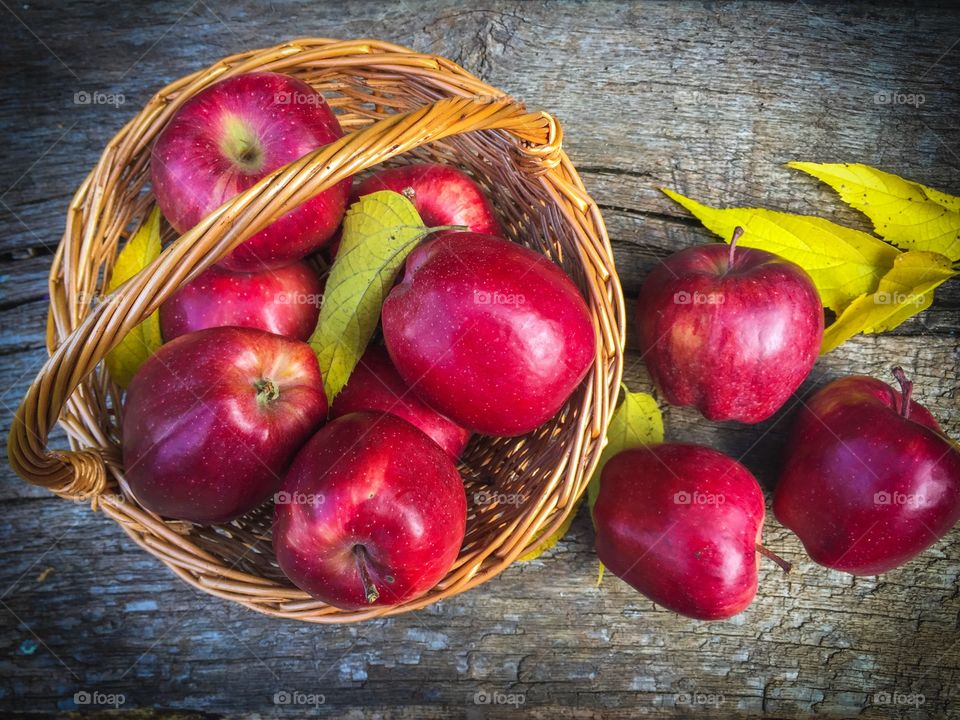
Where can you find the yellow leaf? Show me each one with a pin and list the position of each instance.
(554, 538)
(950, 202)
(905, 213)
(843, 263)
(904, 291)
(141, 342)
(636, 421)
(379, 231)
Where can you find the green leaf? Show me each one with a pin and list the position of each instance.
(843, 263)
(905, 213)
(636, 421)
(903, 292)
(141, 342)
(379, 231)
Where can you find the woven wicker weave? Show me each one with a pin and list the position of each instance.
(396, 106)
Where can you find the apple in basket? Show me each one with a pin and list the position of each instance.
(212, 420)
(285, 301)
(442, 194)
(376, 385)
(492, 334)
(372, 512)
(227, 138)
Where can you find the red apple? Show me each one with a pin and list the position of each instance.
(285, 301)
(228, 137)
(372, 512)
(375, 385)
(489, 333)
(681, 524)
(732, 331)
(442, 195)
(212, 420)
(869, 479)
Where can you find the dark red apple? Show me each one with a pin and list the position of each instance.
(228, 137)
(681, 524)
(212, 420)
(376, 385)
(442, 194)
(489, 333)
(869, 479)
(732, 331)
(285, 301)
(372, 512)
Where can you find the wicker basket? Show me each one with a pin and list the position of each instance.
(396, 106)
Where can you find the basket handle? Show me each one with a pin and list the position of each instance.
(81, 474)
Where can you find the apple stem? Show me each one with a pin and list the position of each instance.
(441, 228)
(906, 391)
(267, 391)
(737, 232)
(771, 555)
(369, 589)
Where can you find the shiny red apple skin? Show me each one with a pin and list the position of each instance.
(733, 341)
(375, 385)
(489, 333)
(373, 481)
(198, 445)
(284, 301)
(680, 523)
(227, 138)
(442, 194)
(864, 488)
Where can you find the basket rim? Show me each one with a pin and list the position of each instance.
(83, 472)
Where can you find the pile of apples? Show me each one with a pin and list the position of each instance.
(481, 335)
(869, 480)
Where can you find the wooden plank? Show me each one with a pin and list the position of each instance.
(816, 639)
(813, 640)
(707, 98)
(664, 116)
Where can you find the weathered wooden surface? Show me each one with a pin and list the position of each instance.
(708, 98)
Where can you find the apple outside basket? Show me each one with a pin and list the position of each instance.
(396, 106)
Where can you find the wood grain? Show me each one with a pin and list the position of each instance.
(708, 98)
